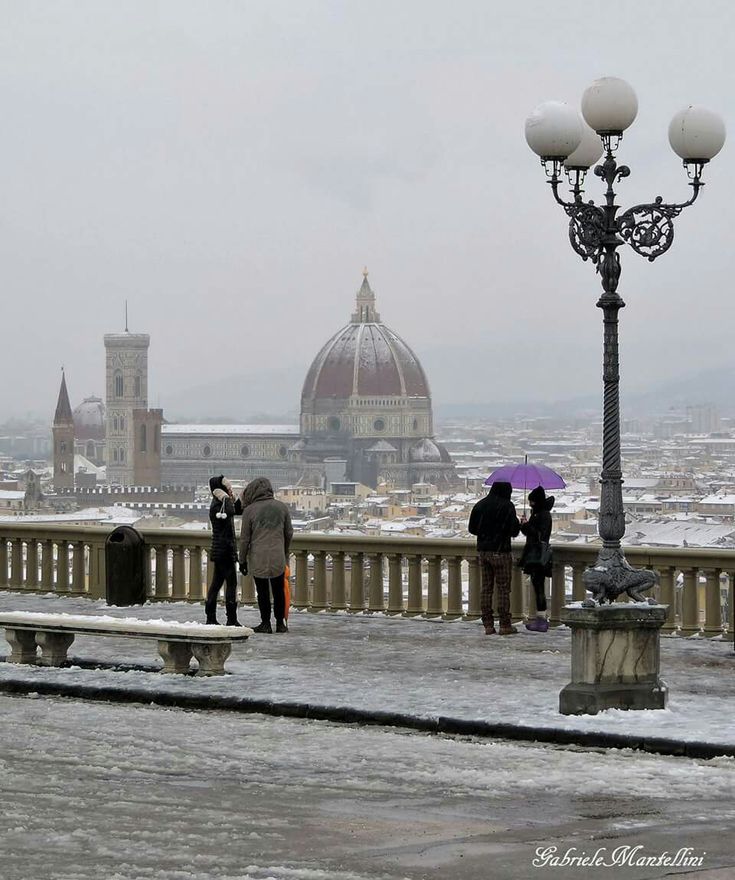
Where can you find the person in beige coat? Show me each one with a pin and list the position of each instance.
(265, 538)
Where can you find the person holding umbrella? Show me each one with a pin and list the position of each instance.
(536, 557)
(494, 521)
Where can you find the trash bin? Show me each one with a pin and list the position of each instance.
(125, 567)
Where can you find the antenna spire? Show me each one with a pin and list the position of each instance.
(126, 317)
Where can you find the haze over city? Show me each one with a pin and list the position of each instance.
(229, 170)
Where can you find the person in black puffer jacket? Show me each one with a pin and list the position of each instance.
(494, 521)
(222, 512)
(538, 532)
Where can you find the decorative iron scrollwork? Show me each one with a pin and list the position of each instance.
(586, 229)
(648, 228)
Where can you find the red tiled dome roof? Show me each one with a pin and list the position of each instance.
(365, 358)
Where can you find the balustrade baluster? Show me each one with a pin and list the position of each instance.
(338, 601)
(474, 587)
(376, 593)
(17, 581)
(712, 604)
(32, 579)
(579, 593)
(62, 566)
(301, 593)
(454, 587)
(47, 565)
(97, 570)
(689, 604)
(731, 603)
(415, 587)
(319, 598)
(435, 604)
(196, 584)
(357, 585)
(516, 593)
(178, 589)
(558, 596)
(667, 596)
(3, 563)
(161, 588)
(78, 580)
(395, 583)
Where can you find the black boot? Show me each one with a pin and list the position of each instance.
(231, 610)
(211, 612)
(264, 627)
(281, 626)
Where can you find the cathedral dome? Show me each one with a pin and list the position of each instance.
(89, 419)
(426, 450)
(365, 358)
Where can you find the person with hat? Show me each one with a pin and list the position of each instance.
(223, 552)
(494, 521)
(536, 557)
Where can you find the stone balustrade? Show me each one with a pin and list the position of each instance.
(410, 576)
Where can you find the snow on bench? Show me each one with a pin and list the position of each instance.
(25, 632)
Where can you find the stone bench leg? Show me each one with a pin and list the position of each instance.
(22, 645)
(54, 646)
(211, 657)
(176, 656)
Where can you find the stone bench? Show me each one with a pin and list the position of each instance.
(177, 642)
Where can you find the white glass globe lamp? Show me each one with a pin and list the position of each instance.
(587, 153)
(609, 105)
(696, 134)
(553, 130)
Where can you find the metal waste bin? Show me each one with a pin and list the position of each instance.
(125, 567)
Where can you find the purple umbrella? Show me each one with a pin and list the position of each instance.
(526, 476)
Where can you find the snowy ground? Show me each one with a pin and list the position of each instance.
(98, 791)
(428, 668)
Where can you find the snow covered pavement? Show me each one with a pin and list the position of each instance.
(426, 668)
(110, 791)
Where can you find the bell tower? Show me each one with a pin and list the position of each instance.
(63, 434)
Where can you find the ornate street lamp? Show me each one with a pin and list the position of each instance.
(567, 143)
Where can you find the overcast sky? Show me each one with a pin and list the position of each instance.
(229, 167)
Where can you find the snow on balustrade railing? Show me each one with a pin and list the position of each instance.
(331, 572)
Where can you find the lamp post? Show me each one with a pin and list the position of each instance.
(569, 143)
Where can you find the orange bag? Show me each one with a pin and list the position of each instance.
(287, 590)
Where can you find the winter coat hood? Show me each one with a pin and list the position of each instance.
(541, 502)
(504, 490)
(259, 489)
(216, 483)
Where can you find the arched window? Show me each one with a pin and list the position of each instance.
(62, 446)
(137, 386)
(118, 384)
(143, 439)
(114, 454)
(115, 423)
(122, 423)
(122, 455)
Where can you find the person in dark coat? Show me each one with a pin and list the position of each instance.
(265, 539)
(494, 521)
(223, 553)
(538, 533)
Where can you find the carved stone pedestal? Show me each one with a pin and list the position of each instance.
(23, 647)
(615, 658)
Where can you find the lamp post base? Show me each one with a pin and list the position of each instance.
(612, 575)
(615, 658)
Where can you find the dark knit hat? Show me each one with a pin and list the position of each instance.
(216, 482)
(538, 495)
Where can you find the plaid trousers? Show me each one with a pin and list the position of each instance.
(496, 570)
